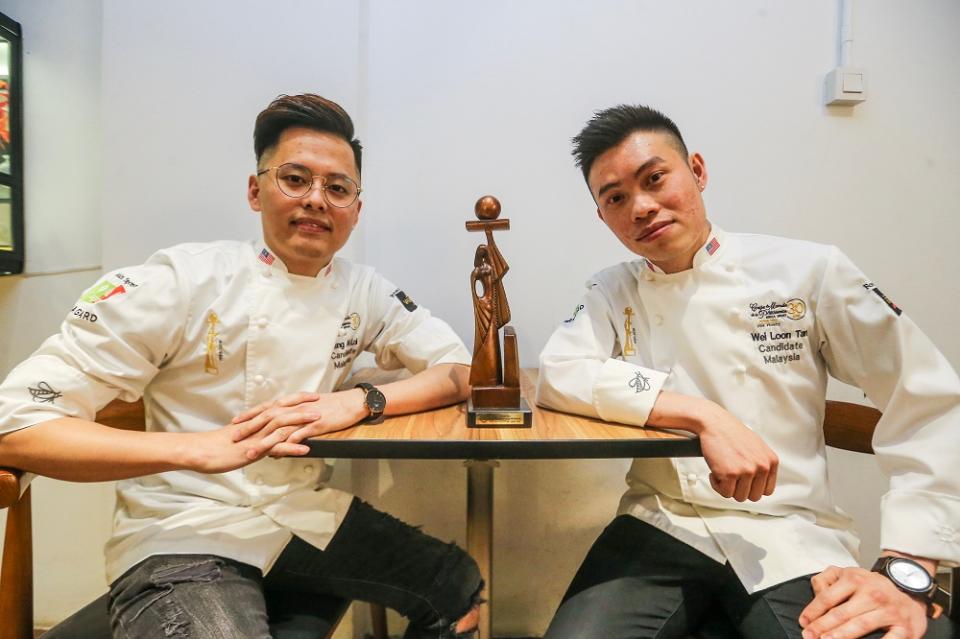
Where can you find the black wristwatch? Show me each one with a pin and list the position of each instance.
(375, 403)
(913, 579)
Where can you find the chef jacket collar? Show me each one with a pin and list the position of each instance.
(267, 260)
(709, 251)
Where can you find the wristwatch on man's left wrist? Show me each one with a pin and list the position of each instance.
(913, 579)
(375, 402)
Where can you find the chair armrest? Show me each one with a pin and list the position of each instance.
(9, 486)
(850, 426)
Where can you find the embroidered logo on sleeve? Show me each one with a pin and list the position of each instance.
(629, 340)
(889, 302)
(639, 382)
(43, 393)
(102, 291)
(405, 300)
(211, 363)
(576, 311)
(106, 288)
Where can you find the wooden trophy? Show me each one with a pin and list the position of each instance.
(495, 399)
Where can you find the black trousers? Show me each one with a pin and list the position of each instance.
(637, 582)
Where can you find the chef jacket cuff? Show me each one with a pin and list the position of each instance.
(625, 392)
(921, 523)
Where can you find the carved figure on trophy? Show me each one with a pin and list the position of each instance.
(495, 400)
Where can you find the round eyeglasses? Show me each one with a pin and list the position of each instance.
(295, 180)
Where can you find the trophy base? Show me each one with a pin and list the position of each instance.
(485, 417)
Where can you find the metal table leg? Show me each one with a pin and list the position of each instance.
(480, 531)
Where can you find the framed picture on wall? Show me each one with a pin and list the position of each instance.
(11, 147)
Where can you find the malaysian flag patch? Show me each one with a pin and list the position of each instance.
(266, 257)
(712, 246)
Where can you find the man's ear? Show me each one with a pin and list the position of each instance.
(253, 193)
(699, 169)
(356, 219)
(600, 215)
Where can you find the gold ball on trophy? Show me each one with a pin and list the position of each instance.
(487, 208)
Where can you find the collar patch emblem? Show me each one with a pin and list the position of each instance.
(266, 257)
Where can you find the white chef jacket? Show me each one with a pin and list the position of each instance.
(202, 332)
(756, 326)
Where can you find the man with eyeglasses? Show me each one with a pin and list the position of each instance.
(238, 350)
(731, 336)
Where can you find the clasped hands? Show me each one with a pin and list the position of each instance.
(276, 428)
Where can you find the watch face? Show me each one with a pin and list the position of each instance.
(376, 402)
(909, 575)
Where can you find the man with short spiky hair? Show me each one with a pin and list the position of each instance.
(218, 508)
(731, 337)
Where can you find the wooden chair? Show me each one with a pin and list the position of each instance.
(16, 571)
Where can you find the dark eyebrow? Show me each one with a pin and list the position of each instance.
(641, 169)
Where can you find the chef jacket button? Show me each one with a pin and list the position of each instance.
(741, 369)
(259, 379)
(336, 285)
(258, 480)
(648, 276)
(692, 478)
(308, 469)
(658, 319)
(730, 268)
(267, 272)
(262, 322)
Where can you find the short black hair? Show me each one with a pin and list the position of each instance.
(309, 111)
(608, 128)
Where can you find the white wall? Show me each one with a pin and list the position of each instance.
(61, 63)
(455, 100)
(182, 84)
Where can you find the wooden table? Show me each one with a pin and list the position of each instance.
(443, 434)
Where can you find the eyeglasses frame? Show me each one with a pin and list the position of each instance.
(323, 185)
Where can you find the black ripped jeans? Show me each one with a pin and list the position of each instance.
(372, 557)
